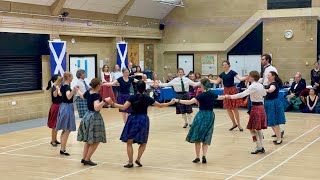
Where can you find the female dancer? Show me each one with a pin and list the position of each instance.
(227, 78)
(181, 86)
(66, 120)
(124, 91)
(202, 127)
(56, 98)
(257, 119)
(106, 91)
(115, 75)
(91, 129)
(136, 129)
(273, 106)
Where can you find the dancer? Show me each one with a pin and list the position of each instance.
(267, 68)
(92, 129)
(274, 107)
(83, 86)
(66, 120)
(136, 129)
(181, 86)
(202, 127)
(124, 91)
(106, 91)
(257, 120)
(56, 98)
(227, 78)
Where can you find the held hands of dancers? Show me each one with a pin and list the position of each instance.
(227, 96)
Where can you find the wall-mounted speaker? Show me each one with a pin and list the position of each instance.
(162, 26)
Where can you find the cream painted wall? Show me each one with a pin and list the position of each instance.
(291, 55)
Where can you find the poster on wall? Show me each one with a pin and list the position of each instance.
(209, 64)
(85, 62)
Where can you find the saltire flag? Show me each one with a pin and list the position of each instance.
(58, 53)
(122, 55)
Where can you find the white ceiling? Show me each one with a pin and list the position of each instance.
(38, 2)
(140, 8)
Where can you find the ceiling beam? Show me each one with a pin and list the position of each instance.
(57, 6)
(124, 10)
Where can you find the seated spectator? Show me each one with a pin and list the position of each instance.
(311, 102)
(315, 77)
(192, 90)
(169, 77)
(210, 76)
(148, 82)
(155, 87)
(197, 77)
(297, 87)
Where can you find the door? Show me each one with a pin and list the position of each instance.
(237, 64)
(85, 62)
(252, 63)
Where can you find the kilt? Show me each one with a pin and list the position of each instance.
(258, 118)
(181, 108)
(275, 112)
(53, 115)
(122, 98)
(231, 103)
(92, 129)
(202, 127)
(66, 119)
(81, 106)
(136, 128)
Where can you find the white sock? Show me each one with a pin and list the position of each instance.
(255, 138)
(184, 116)
(260, 138)
(281, 130)
(189, 118)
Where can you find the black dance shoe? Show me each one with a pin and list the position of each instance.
(204, 160)
(138, 163)
(63, 152)
(233, 128)
(128, 166)
(257, 151)
(277, 143)
(185, 125)
(53, 144)
(57, 142)
(196, 160)
(90, 163)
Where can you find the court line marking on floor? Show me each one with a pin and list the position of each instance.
(27, 142)
(50, 137)
(288, 159)
(151, 167)
(240, 171)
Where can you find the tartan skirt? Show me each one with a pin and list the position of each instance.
(53, 115)
(258, 118)
(136, 128)
(81, 106)
(202, 127)
(181, 108)
(122, 98)
(66, 119)
(275, 112)
(92, 129)
(231, 103)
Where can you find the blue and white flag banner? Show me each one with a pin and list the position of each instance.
(122, 54)
(58, 52)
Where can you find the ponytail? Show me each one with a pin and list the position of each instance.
(277, 78)
(52, 80)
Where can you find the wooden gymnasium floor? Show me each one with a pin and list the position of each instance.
(27, 154)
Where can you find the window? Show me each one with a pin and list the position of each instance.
(287, 4)
(20, 74)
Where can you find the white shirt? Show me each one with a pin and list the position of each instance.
(82, 87)
(255, 90)
(176, 83)
(116, 75)
(147, 84)
(264, 79)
